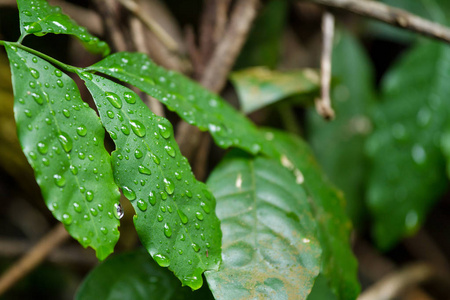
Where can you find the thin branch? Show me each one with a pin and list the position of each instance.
(159, 32)
(226, 52)
(392, 285)
(323, 104)
(36, 255)
(108, 9)
(393, 16)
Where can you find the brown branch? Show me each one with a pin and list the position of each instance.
(226, 52)
(109, 10)
(159, 32)
(392, 285)
(323, 104)
(393, 16)
(37, 254)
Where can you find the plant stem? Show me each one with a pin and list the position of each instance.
(61, 65)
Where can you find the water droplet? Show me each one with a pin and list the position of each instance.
(87, 75)
(104, 230)
(37, 98)
(144, 170)
(66, 141)
(82, 130)
(28, 13)
(169, 186)
(77, 207)
(138, 153)
(59, 180)
(152, 198)
(189, 193)
(94, 212)
(182, 216)
(129, 193)
(58, 73)
(42, 147)
(32, 155)
(138, 128)
(113, 135)
(167, 230)
(163, 195)
(59, 83)
(195, 247)
(81, 155)
(129, 97)
(66, 219)
(142, 205)
(177, 175)
(164, 131)
(45, 161)
(162, 260)
(205, 207)
(110, 114)
(170, 150)
(163, 208)
(199, 216)
(34, 73)
(27, 113)
(155, 158)
(89, 195)
(114, 99)
(124, 128)
(160, 218)
(66, 113)
(118, 212)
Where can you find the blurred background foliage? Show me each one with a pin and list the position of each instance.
(386, 150)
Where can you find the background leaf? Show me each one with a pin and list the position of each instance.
(188, 99)
(258, 87)
(175, 217)
(339, 265)
(62, 139)
(38, 17)
(269, 242)
(339, 145)
(263, 45)
(408, 168)
(136, 276)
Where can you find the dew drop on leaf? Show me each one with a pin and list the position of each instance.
(138, 153)
(195, 247)
(164, 131)
(167, 230)
(118, 211)
(152, 198)
(162, 260)
(183, 217)
(66, 219)
(129, 193)
(199, 216)
(142, 205)
(89, 195)
(59, 180)
(205, 207)
(66, 113)
(77, 207)
(34, 73)
(129, 97)
(82, 130)
(37, 98)
(144, 170)
(138, 128)
(169, 186)
(114, 99)
(170, 150)
(66, 141)
(110, 114)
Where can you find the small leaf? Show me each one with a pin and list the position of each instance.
(133, 275)
(339, 265)
(270, 250)
(175, 217)
(190, 101)
(258, 87)
(339, 145)
(39, 18)
(62, 139)
(408, 168)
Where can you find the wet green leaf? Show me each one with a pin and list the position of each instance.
(62, 139)
(188, 99)
(408, 168)
(270, 249)
(39, 18)
(339, 265)
(339, 145)
(263, 46)
(134, 275)
(258, 87)
(175, 217)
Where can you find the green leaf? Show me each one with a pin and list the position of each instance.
(62, 139)
(133, 275)
(190, 101)
(39, 18)
(339, 145)
(175, 217)
(270, 249)
(408, 168)
(258, 87)
(264, 43)
(339, 265)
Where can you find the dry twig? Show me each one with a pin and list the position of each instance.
(393, 16)
(27, 263)
(323, 104)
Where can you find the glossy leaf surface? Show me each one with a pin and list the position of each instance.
(352, 98)
(39, 18)
(188, 99)
(408, 168)
(175, 216)
(339, 265)
(270, 249)
(134, 275)
(62, 139)
(258, 87)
